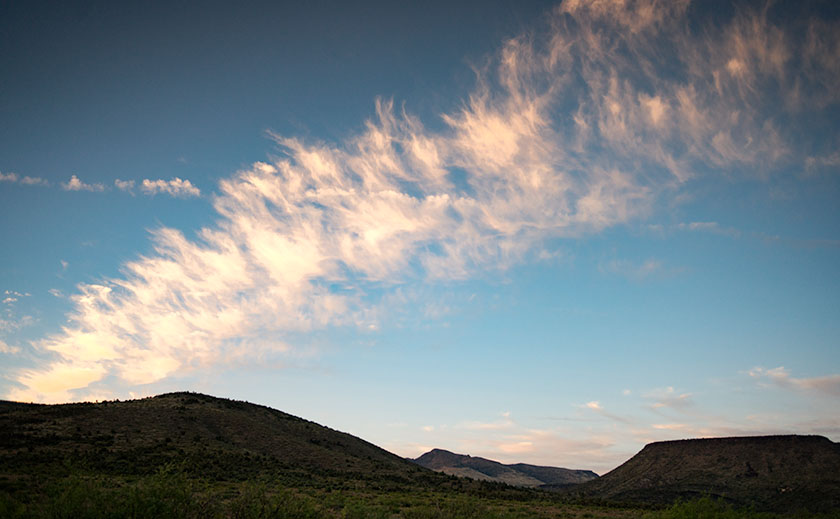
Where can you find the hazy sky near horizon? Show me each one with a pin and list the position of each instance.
(531, 231)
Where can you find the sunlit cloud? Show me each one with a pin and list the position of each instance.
(829, 384)
(668, 398)
(124, 185)
(518, 443)
(11, 296)
(74, 184)
(709, 227)
(8, 350)
(596, 407)
(505, 422)
(175, 187)
(670, 426)
(565, 134)
(24, 180)
(33, 181)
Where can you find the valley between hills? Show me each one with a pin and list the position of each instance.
(193, 455)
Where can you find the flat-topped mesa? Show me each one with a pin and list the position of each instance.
(783, 472)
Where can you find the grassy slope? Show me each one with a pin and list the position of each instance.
(191, 455)
(218, 438)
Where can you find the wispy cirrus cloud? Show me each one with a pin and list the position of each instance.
(8, 350)
(781, 377)
(709, 227)
(596, 407)
(669, 398)
(565, 134)
(632, 270)
(505, 422)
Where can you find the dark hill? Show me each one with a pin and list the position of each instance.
(519, 474)
(780, 473)
(213, 437)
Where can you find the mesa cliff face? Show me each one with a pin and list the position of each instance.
(771, 472)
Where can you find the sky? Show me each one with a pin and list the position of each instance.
(531, 231)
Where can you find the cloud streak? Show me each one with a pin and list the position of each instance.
(829, 384)
(566, 134)
(74, 184)
(174, 187)
(14, 178)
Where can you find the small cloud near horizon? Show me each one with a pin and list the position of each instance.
(781, 377)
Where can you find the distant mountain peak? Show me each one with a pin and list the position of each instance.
(520, 474)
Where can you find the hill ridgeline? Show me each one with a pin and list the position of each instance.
(519, 474)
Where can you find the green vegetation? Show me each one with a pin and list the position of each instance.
(188, 455)
(169, 493)
(709, 508)
(779, 473)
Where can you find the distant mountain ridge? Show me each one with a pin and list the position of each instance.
(775, 473)
(226, 440)
(519, 474)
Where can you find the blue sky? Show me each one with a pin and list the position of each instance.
(547, 233)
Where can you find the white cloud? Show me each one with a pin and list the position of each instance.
(563, 136)
(124, 185)
(669, 398)
(25, 180)
(74, 184)
(8, 350)
(710, 227)
(175, 187)
(12, 296)
(670, 426)
(33, 181)
(518, 443)
(829, 384)
(633, 15)
(596, 406)
(12, 324)
(506, 422)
